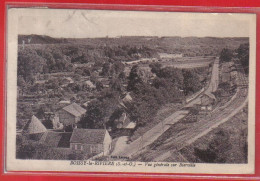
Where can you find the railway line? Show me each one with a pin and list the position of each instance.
(202, 127)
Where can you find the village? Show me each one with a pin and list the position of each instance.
(66, 132)
(109, 109)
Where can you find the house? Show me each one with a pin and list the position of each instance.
(119, 123)
(34, 128)
(126, 101)
(91, 141)
(89, 84)
(131, 125)
(71, 114)
(207, 101)
(127, 98)
(104, 81)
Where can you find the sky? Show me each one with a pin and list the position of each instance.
(64, 23)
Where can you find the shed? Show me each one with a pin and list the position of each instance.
(71, 114)
(91, 141)
(207, 101)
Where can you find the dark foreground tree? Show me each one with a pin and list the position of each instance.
(134, 79)
(217, 148)
(243, 56)
(226, 55)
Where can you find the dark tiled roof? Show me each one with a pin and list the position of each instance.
(75, 109)
(88, 136)
(56, 139)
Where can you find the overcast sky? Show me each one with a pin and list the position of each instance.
(93, 23)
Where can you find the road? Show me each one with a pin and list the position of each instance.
(124, 149)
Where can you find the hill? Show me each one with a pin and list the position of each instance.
(39, 39)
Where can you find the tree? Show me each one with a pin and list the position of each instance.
(217, 151)
(100, 110)
(122, 76)
(155, 67)
(116, 84)
(191, 82)
(86, 71)
(105, 69)
(24, 148)
(134, 79)
(29, 63)
(220, 145)
(173, 74)
(118, 67)
(40, 113)
(99, 86)
(226, 55)
(243, 56)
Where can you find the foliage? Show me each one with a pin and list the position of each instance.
(76, 156)
(191, 81)
(134, 79)
(29, 63)
(217, 149)
(100, 110)
(155, 67)
(226, 55)
(243, 56)
(28, 149)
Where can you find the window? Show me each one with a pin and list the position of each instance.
(78, 147)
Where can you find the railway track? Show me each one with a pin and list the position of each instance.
(191, 134)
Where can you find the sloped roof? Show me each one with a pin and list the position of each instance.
(90, 84)
(210, 95)
(88, 136)
(127, 98)
(75, 109)
(34, 126)
(131, 125)
(56, 139)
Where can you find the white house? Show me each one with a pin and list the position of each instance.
(91, 141)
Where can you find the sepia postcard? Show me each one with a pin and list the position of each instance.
(130, 91)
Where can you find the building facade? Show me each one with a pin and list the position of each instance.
(91, 141)
(71, 114)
